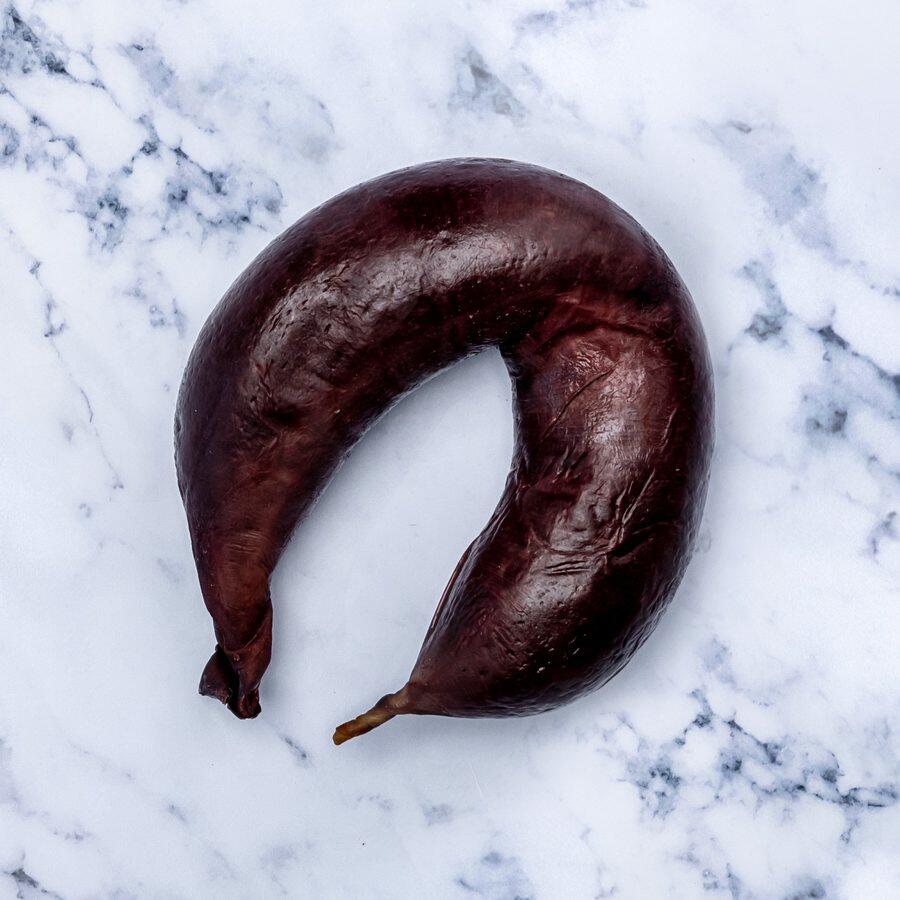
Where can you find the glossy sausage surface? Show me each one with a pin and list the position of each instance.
(385, 285)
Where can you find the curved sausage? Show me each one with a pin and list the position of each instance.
(379, 288)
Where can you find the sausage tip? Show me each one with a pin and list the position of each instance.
(383, 711)
(220, 681)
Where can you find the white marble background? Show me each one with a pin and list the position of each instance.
(148, 150)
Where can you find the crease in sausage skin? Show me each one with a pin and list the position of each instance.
(372, 293)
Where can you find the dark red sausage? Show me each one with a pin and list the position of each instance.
(387, 284)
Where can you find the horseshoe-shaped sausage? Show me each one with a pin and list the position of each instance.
(381, 287)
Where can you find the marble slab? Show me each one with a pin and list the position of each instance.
(148, 150)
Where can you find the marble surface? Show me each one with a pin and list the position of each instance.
(147, 152)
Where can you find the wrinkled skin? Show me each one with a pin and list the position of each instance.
(387, 284)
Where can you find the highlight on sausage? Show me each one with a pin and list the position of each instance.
(385, 285)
